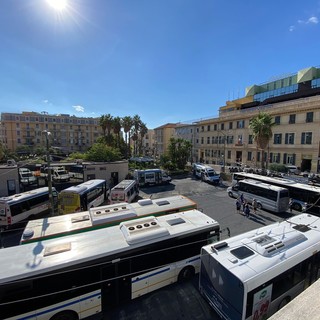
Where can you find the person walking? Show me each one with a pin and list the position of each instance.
(290, 205)
(238, 205)
(254, 206)
(246, 210)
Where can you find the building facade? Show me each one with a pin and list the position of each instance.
(293, 102)
(68, 133)
(162, 137)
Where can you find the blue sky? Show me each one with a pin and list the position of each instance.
(165, 60)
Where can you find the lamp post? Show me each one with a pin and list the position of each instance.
(47, 133)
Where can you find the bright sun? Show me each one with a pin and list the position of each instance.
(58, 5)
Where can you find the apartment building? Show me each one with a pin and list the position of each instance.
(68, 133)
(294, 103)
(162, 137)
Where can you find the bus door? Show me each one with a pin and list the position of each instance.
(116, 285)
(313, 269)
(158, 177)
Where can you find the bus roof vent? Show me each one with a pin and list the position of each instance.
(55, 249)
(112, 213)
(144, 229)
(267, 246)
(145, 202)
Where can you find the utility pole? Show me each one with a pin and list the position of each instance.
(51, 200)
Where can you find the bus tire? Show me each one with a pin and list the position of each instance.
(230, 194)
(65, 315)
(186, 274)
(259, 205)
(297, 206)
(283, 302)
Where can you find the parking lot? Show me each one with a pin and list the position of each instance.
(183, 301)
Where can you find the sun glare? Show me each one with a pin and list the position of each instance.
(58, 5)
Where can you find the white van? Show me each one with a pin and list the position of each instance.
(206, 173)
(293, 169)
(26, 177)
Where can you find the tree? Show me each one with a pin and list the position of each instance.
(117, 125)
(102, 152)
(261, 126)
(127, 124)
(136, 121)
(106, 123)
(179, 151)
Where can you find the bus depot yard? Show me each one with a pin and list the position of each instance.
(184, 301)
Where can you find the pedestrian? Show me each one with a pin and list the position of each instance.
(238, 205)
(246, 210)
(290, 204)
(254, 206)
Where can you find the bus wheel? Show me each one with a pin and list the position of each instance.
(186, 274)
(283, 302)
(259, 205)
(297, 206)
(65, 315)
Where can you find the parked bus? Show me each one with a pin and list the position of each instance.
(125, 191)
(82, 197)
(268, 196)
(252, 275)
(102, 217)
(81, 275)
(304, 197)
(151, 177)
(22, 206)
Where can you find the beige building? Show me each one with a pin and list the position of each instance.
(68, 133)
(294, 104)
(162, 137)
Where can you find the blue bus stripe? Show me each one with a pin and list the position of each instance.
(60, 307)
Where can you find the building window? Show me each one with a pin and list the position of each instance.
(250, 139)
(215, 127)
(202, 140)
(230, 125)
(208, 127)
(306, 138)
(249, 157)
(208, 140)
(240, 124)
(202, 128)
(197, 129)
(212, 140)
(277, 138)
(289, 138)
(277, 119)
(222, 126)
(292, 118)
(309, 117)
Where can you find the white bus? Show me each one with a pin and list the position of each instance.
(102, 217)
(125, 191)
(268, 196)
(252, 275)
(81, 275)
(82, 197)
(22, 206)
(304, 197)
(151, 177)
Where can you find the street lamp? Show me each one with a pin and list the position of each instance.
(47, 134)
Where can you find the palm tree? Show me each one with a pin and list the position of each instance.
(117, 129)
(261, 126)
(127, 123)
(135, 132)
(106, 122)
(143, 132)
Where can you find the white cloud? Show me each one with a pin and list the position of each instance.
(78, 108)
(45, 101)
(311, 20)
